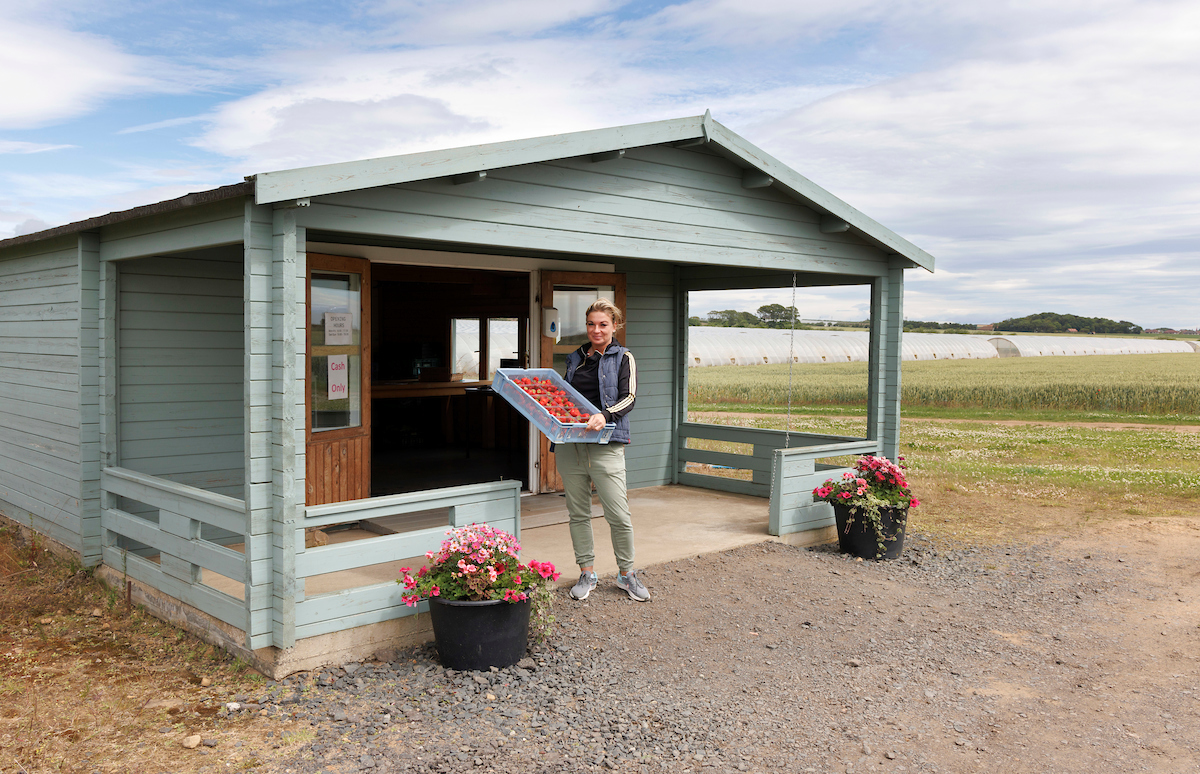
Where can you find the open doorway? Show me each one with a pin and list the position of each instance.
(438, 336)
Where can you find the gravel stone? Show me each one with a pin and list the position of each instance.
(954, 669)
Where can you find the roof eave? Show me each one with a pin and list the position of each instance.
(392, 170)
(800, 187)
(158, 208)
(307, 182)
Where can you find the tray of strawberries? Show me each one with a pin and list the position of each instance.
(553, 406)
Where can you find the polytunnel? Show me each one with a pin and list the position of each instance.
(758, 346)
(1051, 346)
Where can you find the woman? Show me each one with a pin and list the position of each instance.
(603, 372)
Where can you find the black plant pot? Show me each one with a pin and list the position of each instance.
(479, 635)
(856, 535)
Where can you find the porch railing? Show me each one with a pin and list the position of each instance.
(785, 475)
(178, 526)
(496, 503)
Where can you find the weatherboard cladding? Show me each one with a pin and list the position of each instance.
(762, 171)
(40, 339)
(677, 205)
(181, 369)
(650, 334)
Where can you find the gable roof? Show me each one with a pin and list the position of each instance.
(306, 182)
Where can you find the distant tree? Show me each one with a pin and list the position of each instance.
(732, 318)
(695, 320)
(1052, 322)
(777, 315)
(921, 325)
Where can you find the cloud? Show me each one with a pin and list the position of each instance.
(349, 106)
(165, 124)
(12, 146)
(30, 226)
(1034, 160)
(435, 22)
(51, 74)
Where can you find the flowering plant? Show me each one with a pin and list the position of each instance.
(875, 483)
(478, 563)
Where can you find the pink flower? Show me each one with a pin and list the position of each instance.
(845, 495)
(913, 503)
(435, 591)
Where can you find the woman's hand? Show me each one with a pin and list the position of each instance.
(596, 422)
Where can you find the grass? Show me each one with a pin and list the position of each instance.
(1151, 388)
(983, 481)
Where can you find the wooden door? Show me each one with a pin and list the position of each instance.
(571, 293)
(338, 376)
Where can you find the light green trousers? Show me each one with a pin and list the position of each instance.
(580, 464)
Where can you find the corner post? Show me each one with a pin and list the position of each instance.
(892, 356)
(288, 263)
(107, 379)
(89, 397)
(883, 374)
(258, 369)
(679, 399)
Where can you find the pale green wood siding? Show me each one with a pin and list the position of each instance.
(668, 204)
(257, 394)
(180, 368)
(40, 457)
(288, 346)
(207, 225)
(650, 334)
(89, 397)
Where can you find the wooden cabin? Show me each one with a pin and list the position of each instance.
(188, 388)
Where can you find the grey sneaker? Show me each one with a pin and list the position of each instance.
(633, 586)
(587, 581)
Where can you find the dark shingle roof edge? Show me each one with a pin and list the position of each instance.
(189, 200)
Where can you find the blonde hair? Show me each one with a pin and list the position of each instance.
(609, 308)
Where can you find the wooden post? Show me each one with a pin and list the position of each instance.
(679, 397)
(875, 355)
(891, 360)
(108, 365)
(287, 416)
(89, 398)
(257, 411)
(887, 330)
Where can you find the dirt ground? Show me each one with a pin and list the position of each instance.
(1076, 651)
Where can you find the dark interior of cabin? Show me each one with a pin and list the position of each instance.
(437, 336)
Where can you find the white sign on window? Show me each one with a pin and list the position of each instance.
(339, 328)
(339, 376)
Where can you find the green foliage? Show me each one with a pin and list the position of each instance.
(1121, 384)
(922, 326)
(1052, 322)
(732, 318)
(777, 315)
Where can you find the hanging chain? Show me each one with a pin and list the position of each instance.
(787, 433)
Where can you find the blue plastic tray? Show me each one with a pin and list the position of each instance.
(556, 431)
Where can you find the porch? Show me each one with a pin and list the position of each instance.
(190, 555)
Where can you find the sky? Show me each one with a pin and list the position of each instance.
(1044, 153)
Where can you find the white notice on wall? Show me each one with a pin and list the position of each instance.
(338, 328)
(339, 377)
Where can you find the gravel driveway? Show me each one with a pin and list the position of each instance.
(1063, 657)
